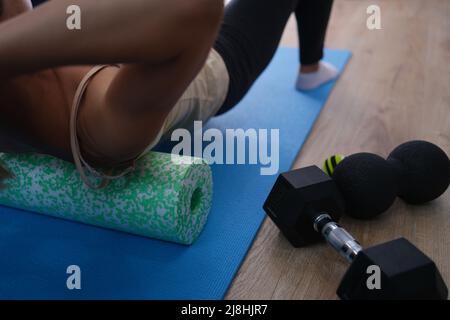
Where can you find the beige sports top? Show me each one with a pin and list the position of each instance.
(201, 101)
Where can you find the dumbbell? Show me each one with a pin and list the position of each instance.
(416, 171)
(305, 205)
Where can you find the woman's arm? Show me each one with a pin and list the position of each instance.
(112, 31)
(11, 8)
(162, 44)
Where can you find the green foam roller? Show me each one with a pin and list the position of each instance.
(167, 197)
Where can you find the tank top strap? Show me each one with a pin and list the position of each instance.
(80, 163)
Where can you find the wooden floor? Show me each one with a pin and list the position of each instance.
(396, 88)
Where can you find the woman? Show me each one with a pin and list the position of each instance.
(104, 95)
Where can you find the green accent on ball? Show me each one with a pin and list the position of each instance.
(331, 163)
(167, 197)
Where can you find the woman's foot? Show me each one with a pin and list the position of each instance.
(313, 76)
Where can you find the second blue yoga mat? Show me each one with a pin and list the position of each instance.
(35, 250)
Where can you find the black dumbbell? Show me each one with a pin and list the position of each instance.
(305, 204)
(416, 171)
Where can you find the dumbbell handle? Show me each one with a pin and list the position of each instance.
(342, 241)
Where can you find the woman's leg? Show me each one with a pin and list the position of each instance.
(250, 35)
(248, 40)
(38, 2)
(312, 21)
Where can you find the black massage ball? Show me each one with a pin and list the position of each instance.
(368, 184)
(423, 171)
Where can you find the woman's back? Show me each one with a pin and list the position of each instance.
(24, 126)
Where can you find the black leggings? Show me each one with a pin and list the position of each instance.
(251, 32)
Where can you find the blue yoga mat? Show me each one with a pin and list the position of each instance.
(35, 250)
